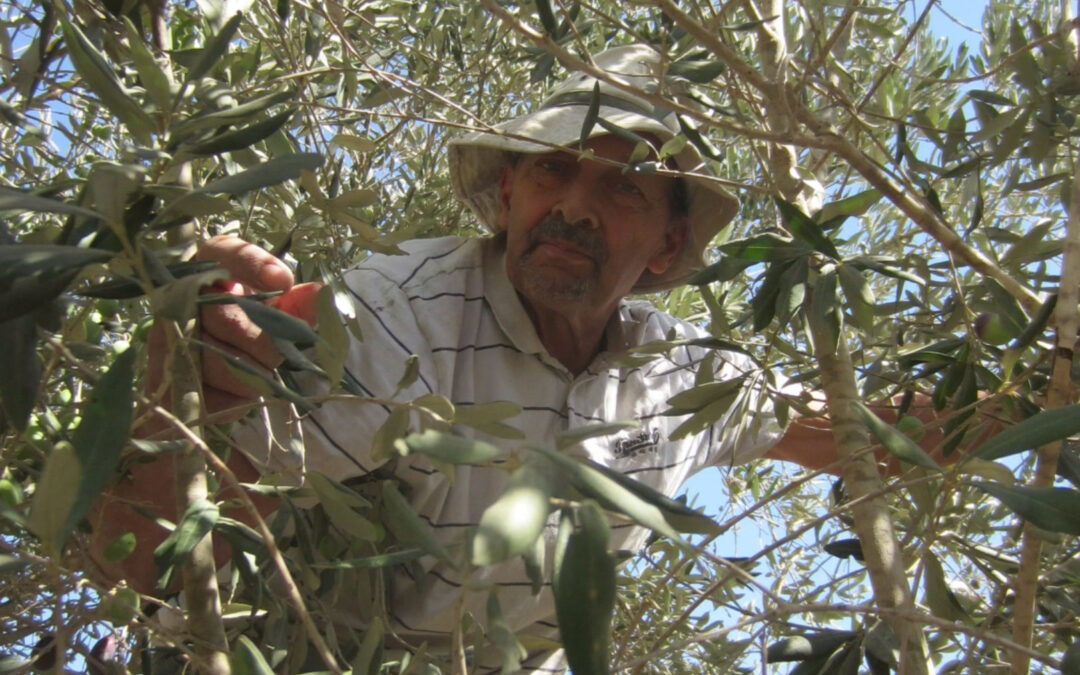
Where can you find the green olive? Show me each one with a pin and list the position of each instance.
(912, 427)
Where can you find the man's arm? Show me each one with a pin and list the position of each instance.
(808, 441)
(150, 488)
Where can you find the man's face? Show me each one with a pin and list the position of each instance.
(580, 232)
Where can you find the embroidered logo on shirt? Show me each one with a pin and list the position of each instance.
(643, 441)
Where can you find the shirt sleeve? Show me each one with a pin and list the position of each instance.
(750, 427)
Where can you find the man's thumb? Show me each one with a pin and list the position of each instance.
(299, 301)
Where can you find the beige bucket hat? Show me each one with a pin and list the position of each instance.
(477, 159)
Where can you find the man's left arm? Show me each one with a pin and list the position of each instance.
(808, 441)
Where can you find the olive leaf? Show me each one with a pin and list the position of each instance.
(803, 227)
(502, 636)
(572, 437)
(54, 499)
(408, 527)
(894, 440)
(246, 659)
(101, 79)
(278, 323)
(267, 174)
(244, 137)
(373, 562)
(353, 142)
(103, 432)
(17, 200)
(583, 584)
(939, 597)
(368, 660)
(386, 438)
(44, 260)
(612, 495)
(1053, 509)
(511, 525)
(1038, 430)
(451, 448)
(811, 645)
(20, 369)
(198, 521)
(215, 49)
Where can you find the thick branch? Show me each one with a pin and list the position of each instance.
(229, 480)
(199, 571)
(1059, 394)
(783, 157)
(873, 524)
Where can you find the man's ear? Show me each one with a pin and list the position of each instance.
(506, 188)
(675, 236)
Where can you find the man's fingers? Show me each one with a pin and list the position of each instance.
(300, 301)
(218, 376)
(224, 407)
(158, 349)
(230, 325)
(247, 263)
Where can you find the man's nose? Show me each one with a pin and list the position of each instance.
(578, 204)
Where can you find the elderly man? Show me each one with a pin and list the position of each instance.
(535, 315)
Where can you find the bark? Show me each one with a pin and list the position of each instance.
(873, 524)
(783, 158)
(1059, 394)
(292, 591)
(199, 572)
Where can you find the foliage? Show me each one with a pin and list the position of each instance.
(903, 200)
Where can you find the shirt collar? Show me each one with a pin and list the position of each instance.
(503, 298)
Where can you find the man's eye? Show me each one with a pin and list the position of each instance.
(630, 189)
(551, 165)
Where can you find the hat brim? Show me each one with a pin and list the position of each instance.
(478, 159)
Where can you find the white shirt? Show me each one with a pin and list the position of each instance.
(449, 302)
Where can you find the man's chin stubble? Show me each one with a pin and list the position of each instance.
(549, 288)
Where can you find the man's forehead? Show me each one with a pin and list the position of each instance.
(608, 146)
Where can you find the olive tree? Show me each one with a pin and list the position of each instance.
(907, 235)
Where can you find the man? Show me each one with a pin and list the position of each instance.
(535, 315)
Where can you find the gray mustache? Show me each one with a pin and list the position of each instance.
(586, 239)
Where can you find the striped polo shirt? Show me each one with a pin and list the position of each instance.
(449, 302)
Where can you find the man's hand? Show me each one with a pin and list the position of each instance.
(149, 486)
(228, 328)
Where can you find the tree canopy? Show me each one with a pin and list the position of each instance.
(908, 232)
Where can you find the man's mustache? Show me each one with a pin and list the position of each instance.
(588, 240)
